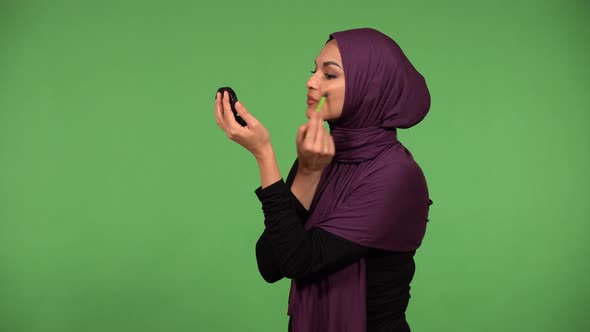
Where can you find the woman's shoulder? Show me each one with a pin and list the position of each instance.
(393, 163)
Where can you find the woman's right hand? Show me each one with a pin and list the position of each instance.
(315, 146)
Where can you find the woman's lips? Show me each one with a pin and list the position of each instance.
(311, 101)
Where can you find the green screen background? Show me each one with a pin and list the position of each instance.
(123, 207)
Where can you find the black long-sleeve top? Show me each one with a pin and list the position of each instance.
(286, 249)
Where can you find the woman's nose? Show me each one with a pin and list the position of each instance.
(312, 82)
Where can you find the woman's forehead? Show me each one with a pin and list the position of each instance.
(330, 50)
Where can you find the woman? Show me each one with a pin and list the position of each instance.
(348, 220)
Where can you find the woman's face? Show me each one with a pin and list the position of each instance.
(328, 77)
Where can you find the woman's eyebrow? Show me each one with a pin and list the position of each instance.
(327, 63)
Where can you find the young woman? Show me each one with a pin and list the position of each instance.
(346, 223)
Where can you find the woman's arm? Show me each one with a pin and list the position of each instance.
(265, 258)
(320, 254)
(304, 187)
(297, 253)
(267, 266)
(315, 151)
(289, 241)
(304, 184)
(268, 166)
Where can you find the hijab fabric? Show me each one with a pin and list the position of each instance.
(373, 193)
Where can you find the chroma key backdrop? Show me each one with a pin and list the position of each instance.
(124, 207)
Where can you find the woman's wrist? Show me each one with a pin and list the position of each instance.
(264, 153)
(305, 185)
(268, 166)
(309, 173)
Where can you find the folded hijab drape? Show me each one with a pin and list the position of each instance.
(373, 192)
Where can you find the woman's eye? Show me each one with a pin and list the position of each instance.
(328, 76)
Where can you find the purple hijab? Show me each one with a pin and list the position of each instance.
(373, 192)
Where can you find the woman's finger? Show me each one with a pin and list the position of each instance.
(320, 130)
(228, 115)
(218, 116)
(311, 135)
(301, 134)
(244, 114)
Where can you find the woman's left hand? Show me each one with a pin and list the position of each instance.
(254, 137)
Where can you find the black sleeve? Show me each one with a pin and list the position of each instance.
(301, 210)
(286, 249)
(265, 257)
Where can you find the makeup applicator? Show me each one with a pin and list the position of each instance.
(322, 101)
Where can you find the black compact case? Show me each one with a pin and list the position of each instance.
(233, 98)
